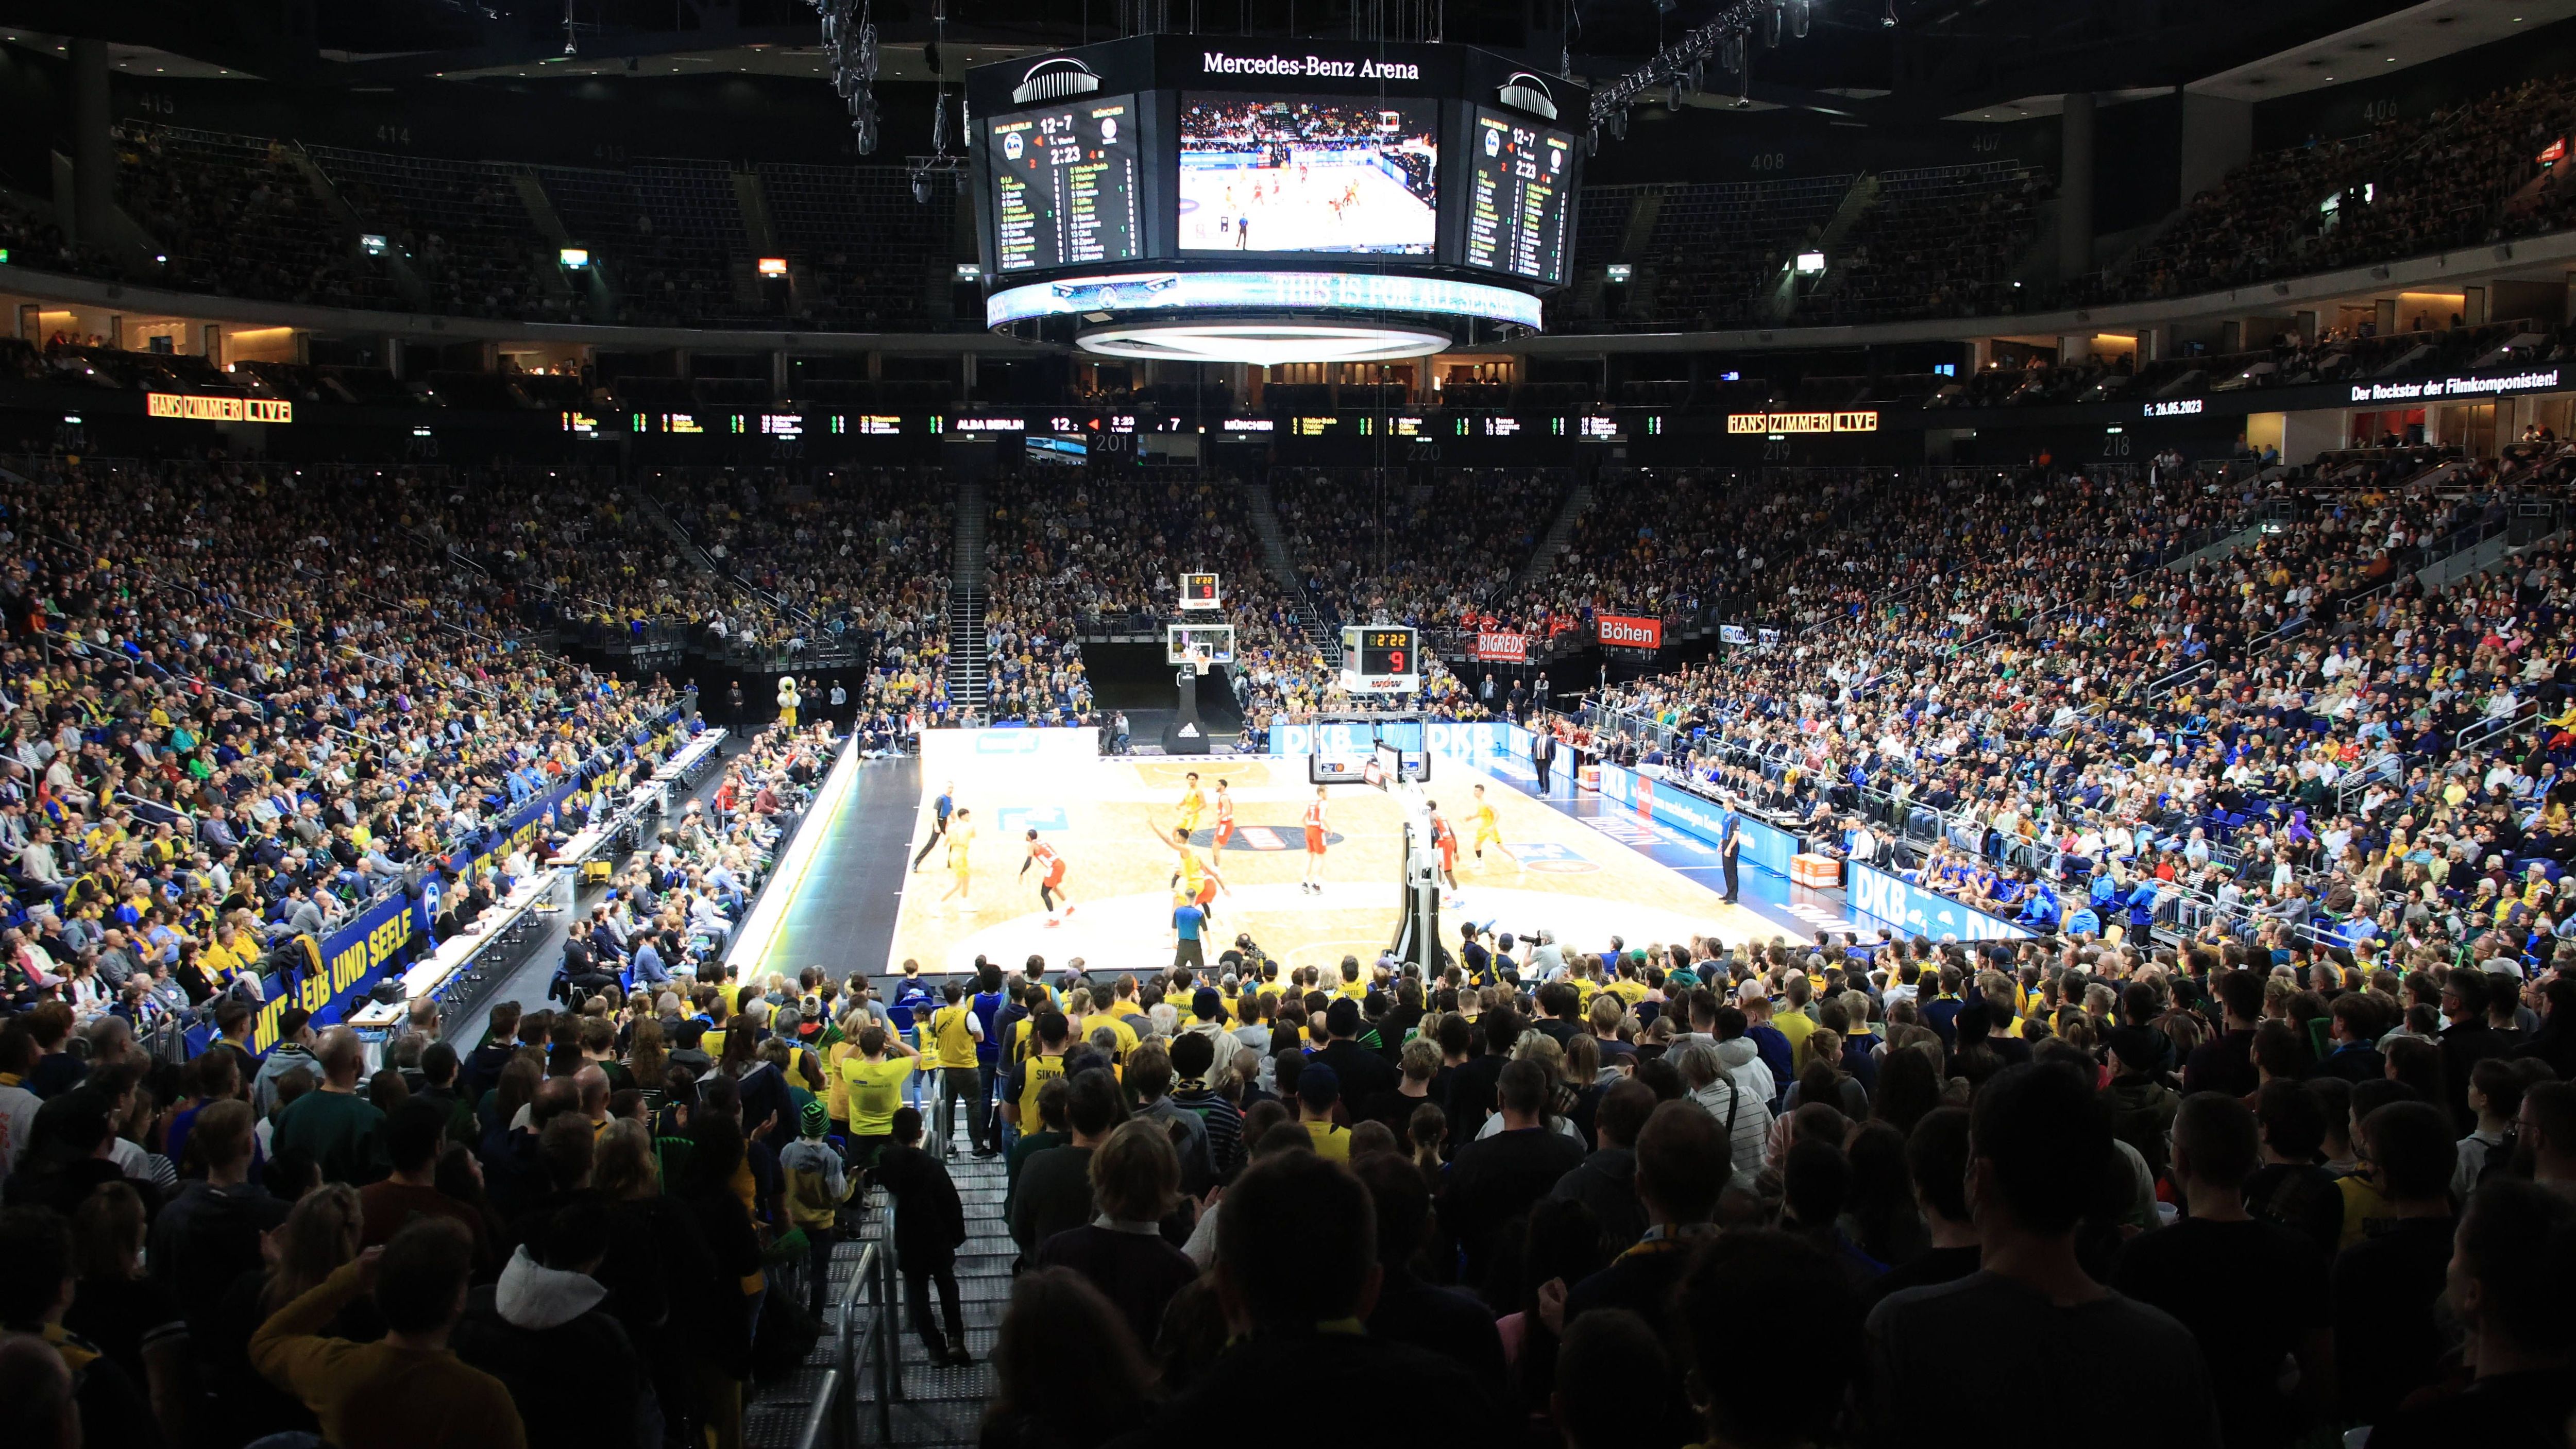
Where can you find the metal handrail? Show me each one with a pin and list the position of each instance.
(819, 1414)
(863, 1333)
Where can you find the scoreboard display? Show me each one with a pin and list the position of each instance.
(1381, 659)
(1200, 591)
(1520, 193)
(1064, 189)
(1163, 155)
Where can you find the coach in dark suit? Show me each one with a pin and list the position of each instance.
(1542, 754)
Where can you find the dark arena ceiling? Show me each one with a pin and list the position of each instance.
(1877, 62)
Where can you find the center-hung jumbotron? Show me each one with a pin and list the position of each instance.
(1184, 199)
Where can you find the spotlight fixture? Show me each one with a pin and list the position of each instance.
(850, 45)
(1887, 18)
(1721, 38)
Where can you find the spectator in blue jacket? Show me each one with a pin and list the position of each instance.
(2142, 909)
(2039, 909)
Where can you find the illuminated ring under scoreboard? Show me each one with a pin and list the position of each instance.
(1263, 342)
(1355, 316)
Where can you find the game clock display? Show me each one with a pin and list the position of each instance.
(1381, 659)
(1387, 651)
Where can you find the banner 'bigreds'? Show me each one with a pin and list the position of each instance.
(1502, 648)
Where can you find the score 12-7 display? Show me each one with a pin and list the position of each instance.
(1064, 185)
(1520, 188)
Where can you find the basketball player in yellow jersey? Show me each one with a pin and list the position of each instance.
(961, 841)
(1487, 832)
(1193, 804)
(1195, 879)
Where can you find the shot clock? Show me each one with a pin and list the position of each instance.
(1381, 659)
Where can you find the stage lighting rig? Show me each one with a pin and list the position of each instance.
(850, 40)
(941, 161)
(1722, 38)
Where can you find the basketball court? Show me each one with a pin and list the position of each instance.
(1326, 202)
(1110, 820)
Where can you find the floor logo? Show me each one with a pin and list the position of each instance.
(1261, 837)
(1551, 858)
(1015, 821)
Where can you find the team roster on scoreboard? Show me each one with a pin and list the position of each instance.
(1064, 185)
(1519, 194)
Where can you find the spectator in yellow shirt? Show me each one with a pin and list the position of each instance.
(1318, 1087)
(875, 1080)
(1791, 1018)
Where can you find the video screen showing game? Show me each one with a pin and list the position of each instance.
(1308, 174)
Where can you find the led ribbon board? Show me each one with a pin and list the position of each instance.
(1815, 422)
(1135, 292)
(198, 407)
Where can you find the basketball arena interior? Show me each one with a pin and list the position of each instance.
(1564, 724)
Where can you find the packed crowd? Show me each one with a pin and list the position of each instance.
(218, 732)
(1545, 1207)
(1431, 554)
(849, 556)
(1533, 1197)
(1115, 550)
(254, 1169)
(2289, 736)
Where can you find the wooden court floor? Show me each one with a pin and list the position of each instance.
(1111, 825)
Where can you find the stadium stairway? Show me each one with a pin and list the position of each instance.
(1553, 543)
(931, 1406)
(970, 671)
(1282, 564)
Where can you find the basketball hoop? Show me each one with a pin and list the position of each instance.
(1200, 659)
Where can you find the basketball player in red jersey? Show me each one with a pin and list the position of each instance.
(1445, 840)
(1315, 829)
(1224, 816)
(1051, 879)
